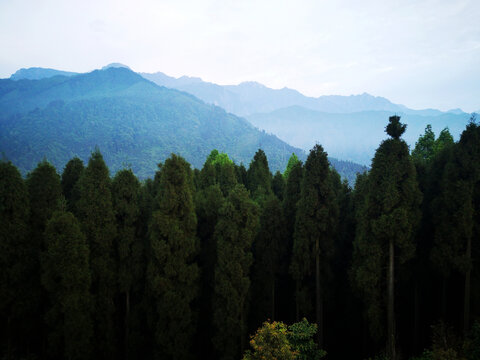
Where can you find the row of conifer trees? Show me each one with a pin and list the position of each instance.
(189, 263)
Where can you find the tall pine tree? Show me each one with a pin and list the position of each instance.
(70, 176)
(66, 278)
(234, 234)
(387, 229)
(125, 196)
(95, 211)
(315, 227)
(172, 272)
(15, 255)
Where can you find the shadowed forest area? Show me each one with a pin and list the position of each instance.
(194, 262)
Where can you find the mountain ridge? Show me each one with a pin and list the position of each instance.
(340, 133)
(132, 120)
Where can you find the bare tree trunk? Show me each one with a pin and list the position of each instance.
(127, 322)
(390, 307)
(319, 303)
(297, 306)
(273, 299)
(466, 304)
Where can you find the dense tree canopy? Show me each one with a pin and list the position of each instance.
(187, 264)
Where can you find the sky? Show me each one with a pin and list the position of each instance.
(422, 53)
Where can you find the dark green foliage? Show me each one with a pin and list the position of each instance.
(315, 226)
(444, 139)
(95, 212)
(258, 176)
(270, 253)
(300, 336)
(456, 223)
(15, 253)
(208, 203)
(234, 234)
(70, 176)
(389, 215)
(241, 172)
(425, 146)
(125, 194)
(130, 248)
(172, 273)
(292, 195)
(395, 128)
(241, 278)
(278, 185)
(45, 192)
(66, 279)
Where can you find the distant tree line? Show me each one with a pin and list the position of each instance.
(188, 264)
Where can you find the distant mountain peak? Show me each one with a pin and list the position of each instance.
(115, 65)
(455, 111)
(190, 78)
(252, 84)
(37, 73)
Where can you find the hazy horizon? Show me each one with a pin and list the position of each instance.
(422, 54)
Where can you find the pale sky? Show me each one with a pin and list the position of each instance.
(423, 54)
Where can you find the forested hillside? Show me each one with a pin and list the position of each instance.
(189, 263)
(132, 120)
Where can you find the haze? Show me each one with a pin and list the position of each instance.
(423, 54)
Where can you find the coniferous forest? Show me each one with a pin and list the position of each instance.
(234, 262)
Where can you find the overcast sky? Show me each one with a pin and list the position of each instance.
(418, 53)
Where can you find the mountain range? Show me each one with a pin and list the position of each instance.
(349, 127)
(133, 121)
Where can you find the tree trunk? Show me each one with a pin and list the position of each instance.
(390, 307)
(127, 322)
(318, 292)
(466, 304)
(297, 306)
(273, 299)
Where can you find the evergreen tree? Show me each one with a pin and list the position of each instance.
(278, 185)
(241, 173)
(15, 255)
(45, 193)
(66, 279)
(292, 161)
(125, 196)
(234, 234)
(172, 272)
(315, 227)
(425, 146)
(95, 212)
(208, 203)
(455, 211)
(391, 215)
(444, 139)
(258, 176)
(269, 252)
(70, 176)
(291, 197)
